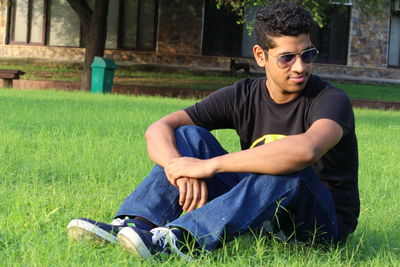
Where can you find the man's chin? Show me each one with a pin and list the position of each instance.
(300, 83)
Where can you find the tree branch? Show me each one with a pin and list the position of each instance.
(82, 10)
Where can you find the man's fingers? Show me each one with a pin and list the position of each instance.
(196, 194)
(182, 191)
(192, 193)
(189, 196)
(170, 179)
(204, 193)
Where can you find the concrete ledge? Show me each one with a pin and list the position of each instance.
(375, 104)
(354, 79)
(40, 85)
(173, 92)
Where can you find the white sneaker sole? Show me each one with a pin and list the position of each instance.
(79, 230)
(132, 242)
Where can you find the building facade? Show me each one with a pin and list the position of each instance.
(194, 33)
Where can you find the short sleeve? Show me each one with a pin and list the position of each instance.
(335, 105)
(216, 111)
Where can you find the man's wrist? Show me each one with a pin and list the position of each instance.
(169, 158)
(214, 164)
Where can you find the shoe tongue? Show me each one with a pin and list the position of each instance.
(118, 222)
(178, 234)
(139, 224)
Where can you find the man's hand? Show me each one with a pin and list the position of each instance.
(189, 167)
(192, 193)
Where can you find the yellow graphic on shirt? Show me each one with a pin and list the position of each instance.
(268, 138)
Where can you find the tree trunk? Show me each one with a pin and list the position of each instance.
(95, 40)
(94, 25)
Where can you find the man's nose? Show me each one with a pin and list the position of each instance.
(298, 65)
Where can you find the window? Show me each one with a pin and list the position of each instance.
(64, 26)
(249, 38)
(28, 20)
(222, 35)
(394, 41)
(332, 39)
(131, 24)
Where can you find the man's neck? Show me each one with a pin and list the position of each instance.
(280, 96)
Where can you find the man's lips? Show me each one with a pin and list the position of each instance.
(298, 79)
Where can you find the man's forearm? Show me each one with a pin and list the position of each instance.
(161, 145)
(287, 155)
(160, 137)
(276, 158)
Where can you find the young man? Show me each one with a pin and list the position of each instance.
(296, 175)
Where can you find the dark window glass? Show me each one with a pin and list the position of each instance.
(138, 24)
(146, 27)
(129, 18)
(394, 41)
(222, 35)
(332, 39)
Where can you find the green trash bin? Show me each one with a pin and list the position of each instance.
(102, 75)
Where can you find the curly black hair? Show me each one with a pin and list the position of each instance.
(281, 18)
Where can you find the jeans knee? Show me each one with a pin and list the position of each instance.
(275, 185)
(195, 141)
(191, 135)
(190, 131)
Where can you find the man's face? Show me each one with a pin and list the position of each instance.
(285, 82)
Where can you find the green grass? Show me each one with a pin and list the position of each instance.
(168, 77)
(376, 92)
(66, 155)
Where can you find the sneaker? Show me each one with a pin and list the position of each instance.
(144, 244)
(83, 229)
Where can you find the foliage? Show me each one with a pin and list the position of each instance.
(319, 8)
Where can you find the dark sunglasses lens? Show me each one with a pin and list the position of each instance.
(286, 59)
(309, 56)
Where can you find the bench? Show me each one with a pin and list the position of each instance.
(9, 75)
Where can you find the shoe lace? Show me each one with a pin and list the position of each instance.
(118, 222)
(163, 237)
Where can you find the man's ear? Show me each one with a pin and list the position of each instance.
(259, 56)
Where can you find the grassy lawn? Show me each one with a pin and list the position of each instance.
(178, 78)
(365, 91)
(65, 155)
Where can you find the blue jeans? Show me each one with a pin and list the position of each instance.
(296, 205)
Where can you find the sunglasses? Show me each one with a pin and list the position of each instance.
(287, 60)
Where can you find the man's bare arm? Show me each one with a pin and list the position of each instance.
(283, 156)
(286, 155)
(160, 137)
(161, 147)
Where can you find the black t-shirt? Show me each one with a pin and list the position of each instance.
(247, 107)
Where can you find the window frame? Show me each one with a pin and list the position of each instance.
(10, 35)
(121, 25)
(390, 66)
(344, 46)
(44, 42)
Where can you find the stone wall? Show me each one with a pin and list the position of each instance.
(180, 27)
(370, 75)
(42, 52)
(369, 37)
